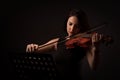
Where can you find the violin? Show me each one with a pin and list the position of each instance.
(85, 40)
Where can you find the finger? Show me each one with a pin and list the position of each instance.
(96, 37)
(100, 36)
(35, 46)
(32, 47)
(27, 49)
(93, 38)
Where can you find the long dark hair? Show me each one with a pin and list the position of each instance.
(82, 18)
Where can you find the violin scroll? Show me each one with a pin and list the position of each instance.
(107, 40)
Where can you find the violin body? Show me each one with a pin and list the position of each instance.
(86, 40)
(82, 42)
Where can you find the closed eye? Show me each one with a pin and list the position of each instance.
(70, 23)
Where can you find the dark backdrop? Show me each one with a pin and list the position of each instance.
(37, 22)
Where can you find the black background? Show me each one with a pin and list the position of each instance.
(37, 22)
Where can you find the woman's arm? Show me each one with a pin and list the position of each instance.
(93, 51)
(93, 56)
(49, 46)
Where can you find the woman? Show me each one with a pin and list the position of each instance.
(68, 59)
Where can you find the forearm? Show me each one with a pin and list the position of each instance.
(45, 48)
(50, 46)
(92, 56)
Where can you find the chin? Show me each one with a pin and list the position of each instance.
(69, 34)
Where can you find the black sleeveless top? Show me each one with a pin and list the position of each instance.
(68, 61)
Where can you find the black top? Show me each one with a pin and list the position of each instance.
(68, 61)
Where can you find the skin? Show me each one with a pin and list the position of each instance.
(72, 26)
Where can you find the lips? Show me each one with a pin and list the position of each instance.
(71, 32)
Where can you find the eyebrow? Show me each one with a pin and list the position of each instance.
(72, 23)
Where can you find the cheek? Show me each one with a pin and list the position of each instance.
(67, 28)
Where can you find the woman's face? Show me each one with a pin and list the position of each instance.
(72, 25)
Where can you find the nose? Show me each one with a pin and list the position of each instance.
(71, 28)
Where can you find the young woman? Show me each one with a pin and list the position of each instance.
(68, 58)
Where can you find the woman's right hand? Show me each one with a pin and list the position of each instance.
(31, 47)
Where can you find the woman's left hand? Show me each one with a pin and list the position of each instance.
(96, 38)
